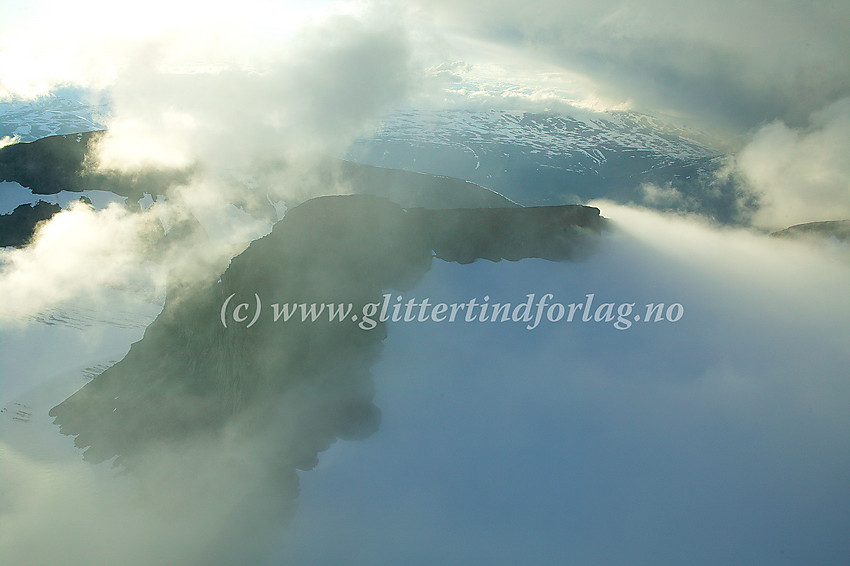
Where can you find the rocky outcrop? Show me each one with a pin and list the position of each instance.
(302, 384)
(555, 233)
(838, 229)
(17, 227)
(58, 163)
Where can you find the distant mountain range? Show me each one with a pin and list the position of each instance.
(531, 158)
(53, 164)
(539, 159)
(433, 159)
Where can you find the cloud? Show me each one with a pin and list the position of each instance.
(731, 64)
(574, 438)
(801, 174)
(620, 442)
(8, 140)
(311, 98)
(480, 74)
(497, 87)
(247, 89)
(579, 442)
(666, 197)
(249, 100)
(78, 252)
(207, 504)
(47, 43)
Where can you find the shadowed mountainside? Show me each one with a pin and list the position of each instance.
(17, 227)
(838, 229)
(57, 163)
(299, 385)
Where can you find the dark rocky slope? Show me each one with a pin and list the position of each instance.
(838, 229)
(58, 163)
(17, 227)
(297, 385)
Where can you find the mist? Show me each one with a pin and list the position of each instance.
(246, 122)
(717, 438)
(800, 174)
(247, 112)
(136, 429)
(731, 66)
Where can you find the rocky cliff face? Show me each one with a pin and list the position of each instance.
(301, 384)
(548, 232)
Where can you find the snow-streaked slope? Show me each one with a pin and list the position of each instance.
(48, 116)
(588, 140)
(530, 158)
(551, 158)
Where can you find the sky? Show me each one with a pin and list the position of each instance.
(717, 439)
(740, 63)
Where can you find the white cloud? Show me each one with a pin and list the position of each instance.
(306, 100)
(801, 174)
(77, 253)
(249, 98)
(582, 443)
(45, 43)
(666, 196)
(210, 503)
(729, 64)
(486, 74)
(756, 363)
(8, 140)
